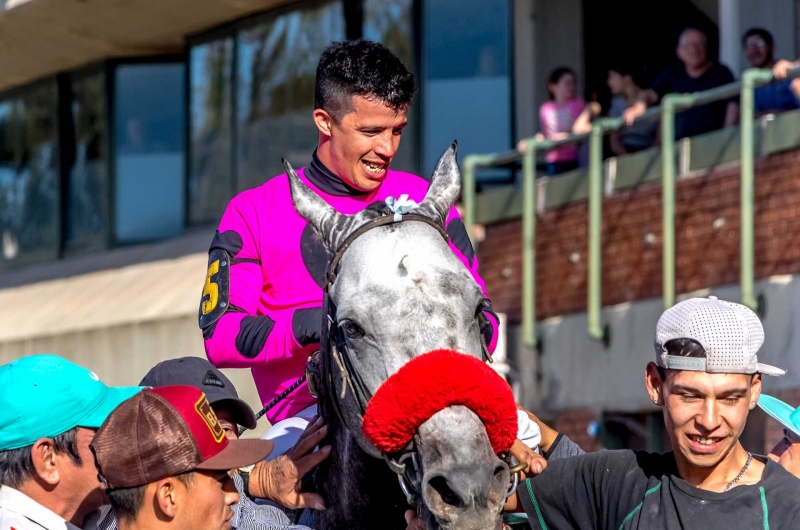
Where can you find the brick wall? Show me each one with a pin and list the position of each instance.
(707, 241)
(575, 425)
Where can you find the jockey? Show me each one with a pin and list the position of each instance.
(262, 303)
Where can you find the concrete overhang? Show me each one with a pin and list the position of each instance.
(40, 38)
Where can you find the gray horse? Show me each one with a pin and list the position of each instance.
(400, 292)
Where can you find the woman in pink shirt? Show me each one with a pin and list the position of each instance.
(556, 118)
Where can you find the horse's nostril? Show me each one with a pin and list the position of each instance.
(445, 492)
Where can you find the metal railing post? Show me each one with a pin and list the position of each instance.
(669, 105)
(594, 286)
(468, 193)
(529, 244)
(747, 252)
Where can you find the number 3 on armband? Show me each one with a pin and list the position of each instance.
(216, 289)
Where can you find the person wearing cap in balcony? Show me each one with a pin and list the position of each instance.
(787, 450)
(278, 480)
(706, 377)
(50, 409)
(166, 462)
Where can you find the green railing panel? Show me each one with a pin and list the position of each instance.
(566, 188)
(639, 168)
(499, 204)
(714, 148)
(781, 133)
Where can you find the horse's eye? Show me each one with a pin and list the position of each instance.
(352, 329)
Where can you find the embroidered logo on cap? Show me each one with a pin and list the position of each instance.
(212, 380)
(204, 409)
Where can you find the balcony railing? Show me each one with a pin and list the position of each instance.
(670, 105)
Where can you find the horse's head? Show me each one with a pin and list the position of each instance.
(400, 292)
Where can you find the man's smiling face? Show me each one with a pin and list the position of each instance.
(706, 413)
(363, 143)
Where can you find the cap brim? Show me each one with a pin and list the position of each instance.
(242, 413)
(114, 398)
(238, 453)
(767, 369)
(780, 411)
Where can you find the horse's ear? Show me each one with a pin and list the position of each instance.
(313, 208)
(445, 187)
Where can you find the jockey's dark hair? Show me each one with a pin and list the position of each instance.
(16, 465)
(361, 68)
(127, 502)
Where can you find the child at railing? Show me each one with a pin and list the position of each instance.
(556, 118)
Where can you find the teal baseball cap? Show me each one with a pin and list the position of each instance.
(785, 414)
(42, 396)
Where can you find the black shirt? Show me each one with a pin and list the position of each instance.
(696, 120)
(626, 490)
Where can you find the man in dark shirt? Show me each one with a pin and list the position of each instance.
(707, 378)
(694, 73)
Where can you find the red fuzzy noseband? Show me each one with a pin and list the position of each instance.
(432, 382)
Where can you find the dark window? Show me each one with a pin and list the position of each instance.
(391, 22)
(210, 123)
(87, 203)
(466, 52)
(149, 116)
(277, 62)
(29, 175)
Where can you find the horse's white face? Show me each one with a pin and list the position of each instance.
(401, 292)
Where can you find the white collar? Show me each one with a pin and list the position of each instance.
(17, 502)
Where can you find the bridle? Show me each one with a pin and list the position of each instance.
(336, 352)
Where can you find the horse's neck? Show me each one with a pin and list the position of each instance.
(360, 491)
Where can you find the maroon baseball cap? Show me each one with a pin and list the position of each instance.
(163, 432)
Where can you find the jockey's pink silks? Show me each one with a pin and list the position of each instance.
(278, 269)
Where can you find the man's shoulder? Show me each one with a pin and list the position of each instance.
(277, 186)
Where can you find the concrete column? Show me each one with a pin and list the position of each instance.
(730, 48)
(525, 71)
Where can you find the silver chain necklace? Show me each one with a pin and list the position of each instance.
(741, 473)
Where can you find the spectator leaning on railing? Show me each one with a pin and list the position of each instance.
(759, 48)
(556, 119)
(695, 73)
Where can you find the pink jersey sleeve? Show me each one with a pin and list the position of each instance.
(242, 337)
(462, 248)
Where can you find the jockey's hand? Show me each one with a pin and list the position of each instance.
(413, 521)
(279, 480)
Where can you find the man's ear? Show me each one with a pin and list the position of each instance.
(653, 382)
(323, 121)
(166, 495)
(755, 390)
(45, 461)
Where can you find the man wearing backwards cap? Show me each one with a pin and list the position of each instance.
(787, 451)
(707, 378)
(165, 461)
(50, 409)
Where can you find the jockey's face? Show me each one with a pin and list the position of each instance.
(360, 147)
